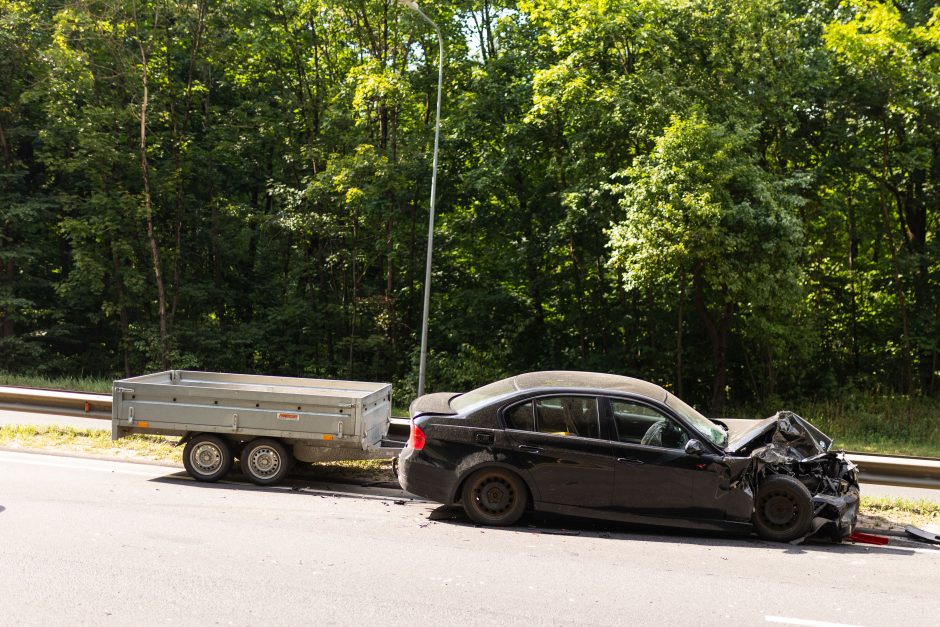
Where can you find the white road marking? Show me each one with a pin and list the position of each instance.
(803, 621)
(95, 465)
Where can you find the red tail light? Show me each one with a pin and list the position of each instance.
(416, 440)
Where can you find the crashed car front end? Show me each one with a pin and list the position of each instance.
(788, 445)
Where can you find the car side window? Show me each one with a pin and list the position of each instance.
(567, 415)
(520, 417)
(640, 424)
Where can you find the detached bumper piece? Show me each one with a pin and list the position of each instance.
(922, 534)
(835, 516)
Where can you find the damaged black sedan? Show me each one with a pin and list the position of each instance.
(617, 448)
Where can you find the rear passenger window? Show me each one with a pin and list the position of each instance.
(568, 415)
(520, 417)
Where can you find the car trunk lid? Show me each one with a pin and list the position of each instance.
(437, 403)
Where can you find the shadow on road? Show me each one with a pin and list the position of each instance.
(306, 482)
(312, 483)
(2, 509)
(546, 524)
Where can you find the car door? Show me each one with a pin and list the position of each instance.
(654, 474)
(558, 441)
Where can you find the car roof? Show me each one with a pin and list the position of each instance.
(590, 380)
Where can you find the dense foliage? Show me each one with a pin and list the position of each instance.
(739, 200)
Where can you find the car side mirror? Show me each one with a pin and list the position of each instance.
(694, 447)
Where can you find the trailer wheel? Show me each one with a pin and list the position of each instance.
(265, 461)
(207, 457)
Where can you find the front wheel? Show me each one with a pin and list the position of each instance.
(265, 461)
(494, 496)
(783, 509)
(207, 457)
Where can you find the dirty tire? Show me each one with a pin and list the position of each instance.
(783, 509)
(265, 461)
(493, 496)
(207, 457)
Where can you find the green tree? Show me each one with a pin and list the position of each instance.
(25, 207)
(701, 207)
(888, 65)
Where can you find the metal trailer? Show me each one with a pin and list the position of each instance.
(265, 422)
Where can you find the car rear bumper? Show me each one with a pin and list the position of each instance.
(421, 477)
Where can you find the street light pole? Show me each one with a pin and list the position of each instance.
(422, 367)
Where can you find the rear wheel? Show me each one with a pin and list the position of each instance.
(494, 496)
(783, 509)
(207, 457)
(265, 461)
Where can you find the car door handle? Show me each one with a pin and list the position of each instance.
(629, 460)
(481, 437)
(529, 449)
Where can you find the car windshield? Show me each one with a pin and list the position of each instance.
(483, 394)
(708, 429)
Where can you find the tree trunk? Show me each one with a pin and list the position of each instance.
(907, 373)
(5, 148)
(718, 335)
(6, 315)
(853, 288)
(679, 334)
(148, 213)
(390, 306)
(122, 311)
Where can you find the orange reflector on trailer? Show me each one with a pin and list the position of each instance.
(143, 424)
(87, 407)
(327, 436)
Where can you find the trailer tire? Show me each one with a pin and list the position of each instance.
(207, 457)
(265, 461)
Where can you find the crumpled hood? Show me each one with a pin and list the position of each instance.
(791, 437)
(437, 403)
(743, 430)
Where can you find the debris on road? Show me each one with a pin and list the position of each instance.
(867, 538)
(922, 534)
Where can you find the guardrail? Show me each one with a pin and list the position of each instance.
(914, 472)
(58, 402)
(910, 472)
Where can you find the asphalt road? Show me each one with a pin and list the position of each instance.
(114, 543)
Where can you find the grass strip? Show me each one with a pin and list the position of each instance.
(93, 385)
(98, 442)
(158, 448)
(888, 511)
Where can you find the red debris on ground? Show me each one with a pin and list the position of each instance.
(867, 538)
